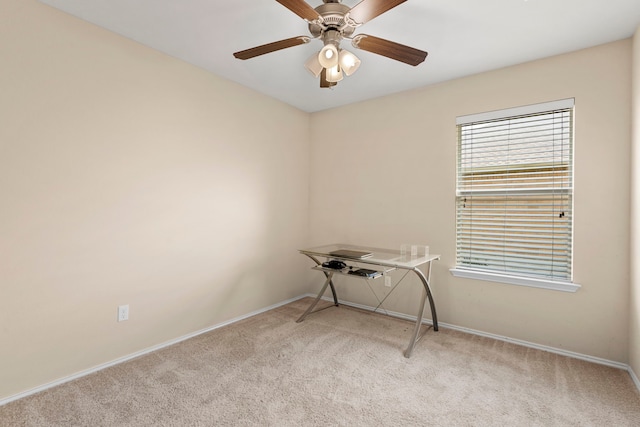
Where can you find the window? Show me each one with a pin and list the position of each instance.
(514, 196)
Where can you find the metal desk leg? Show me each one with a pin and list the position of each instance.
(426, 294)
(333, 289)
(427, 288)
(315, 302)
(416, 329)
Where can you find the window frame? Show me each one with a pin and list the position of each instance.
(464, 271)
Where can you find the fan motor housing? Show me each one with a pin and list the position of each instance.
(333, 18)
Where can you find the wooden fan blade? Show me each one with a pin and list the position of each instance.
(300, 8)
(271, 47)
(366, 10)
(323, 79)
(390, 49)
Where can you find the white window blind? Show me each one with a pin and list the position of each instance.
(515, 191)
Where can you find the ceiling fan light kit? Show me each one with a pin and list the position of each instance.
(331, 22)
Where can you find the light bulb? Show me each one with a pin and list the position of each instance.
(313, 65)
(328, 56)
(334, 74)
(348, 62)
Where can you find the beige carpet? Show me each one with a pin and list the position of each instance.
(339, 367)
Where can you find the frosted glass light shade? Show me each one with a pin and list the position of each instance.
(313, 65)
(328, 56)
(349, 63)
(334, 74)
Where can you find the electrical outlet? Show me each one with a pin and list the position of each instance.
(387, 281)
(123, 313)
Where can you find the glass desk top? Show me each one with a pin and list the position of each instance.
(383, 257)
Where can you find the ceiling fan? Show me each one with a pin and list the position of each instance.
(331, 22)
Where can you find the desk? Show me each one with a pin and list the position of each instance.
(385, 259)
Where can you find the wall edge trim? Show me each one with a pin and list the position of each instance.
(151, 349)
(559, 351)
(634, 378)
(85, 372)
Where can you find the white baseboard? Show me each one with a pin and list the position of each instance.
(549, 349)
(634, 377)
(140, 353)
(347, 303)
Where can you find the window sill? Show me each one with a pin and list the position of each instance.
(514, 280)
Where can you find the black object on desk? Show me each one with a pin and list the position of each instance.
(335, 264)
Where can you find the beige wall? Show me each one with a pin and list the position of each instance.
(128, 177)
(634, 328)
(389, 178)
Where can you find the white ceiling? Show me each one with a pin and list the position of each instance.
(462, 37)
